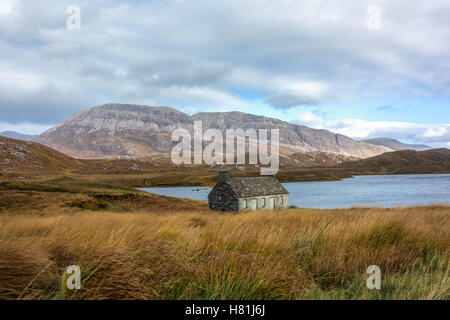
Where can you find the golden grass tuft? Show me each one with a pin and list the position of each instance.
(290, 254)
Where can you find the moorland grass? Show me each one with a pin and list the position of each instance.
(199, 254)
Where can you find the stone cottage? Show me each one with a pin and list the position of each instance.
(247, 193)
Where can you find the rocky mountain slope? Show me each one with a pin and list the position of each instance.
(139, 131)
(315, 159)
(297, 138)
(395, 144)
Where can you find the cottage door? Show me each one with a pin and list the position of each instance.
(271, 203)
(254, 207)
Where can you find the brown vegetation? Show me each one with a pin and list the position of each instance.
(291, 254)
(405, 161)
(133, 245)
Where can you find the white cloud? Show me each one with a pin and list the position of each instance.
(18, 83)
(203, 97)
(8, 7)
(24, 128)
(211, 55)
(432, 134)
(312, 119)
(296, 94)
(291, 98)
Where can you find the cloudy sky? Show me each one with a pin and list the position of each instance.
(361, 68)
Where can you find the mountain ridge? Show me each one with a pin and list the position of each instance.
(17, 135)
(395, 144)
(137, 131)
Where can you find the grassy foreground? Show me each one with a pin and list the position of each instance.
(198, 254)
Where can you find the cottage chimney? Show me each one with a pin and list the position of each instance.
(223, 175)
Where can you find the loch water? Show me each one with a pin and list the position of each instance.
(373, 190)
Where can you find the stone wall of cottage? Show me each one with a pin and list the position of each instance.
(264, 202)
(222, 198)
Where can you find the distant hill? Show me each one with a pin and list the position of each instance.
(395, 144)
(138, 131)
(404, 161)
(24, 158)
(27, 159)
(16, 135)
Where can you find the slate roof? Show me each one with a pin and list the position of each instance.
(245, 187)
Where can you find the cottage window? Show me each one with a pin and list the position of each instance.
(263, 202)
(281, 200)
(244, 204)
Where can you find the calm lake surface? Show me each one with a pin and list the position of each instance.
(385, 191)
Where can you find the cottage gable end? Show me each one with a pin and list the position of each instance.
(223, 198)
